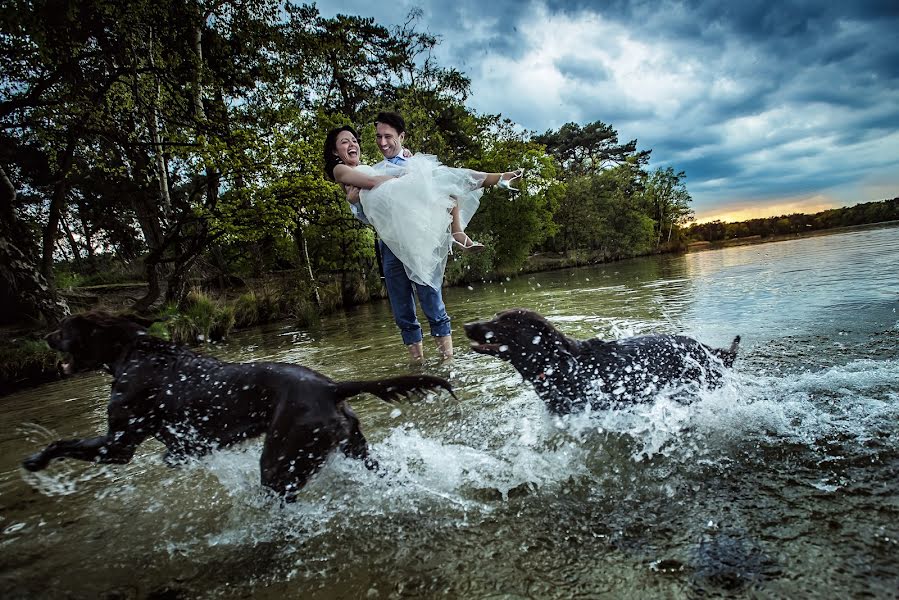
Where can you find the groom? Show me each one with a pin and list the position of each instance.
(390, 131)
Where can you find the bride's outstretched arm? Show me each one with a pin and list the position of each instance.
(350, 176)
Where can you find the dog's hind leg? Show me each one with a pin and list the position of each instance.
(356, 446)
(296, 446)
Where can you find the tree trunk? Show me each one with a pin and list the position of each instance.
(86, 232)
(177, 286)
(198, 89)
(300, 238)
(153, 126)
(23, 289)
(151, 272)
(73, 244)
(60, 191)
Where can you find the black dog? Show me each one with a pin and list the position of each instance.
(194, 404)
(569, 373)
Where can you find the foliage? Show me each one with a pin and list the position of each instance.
(589, 149)
(605, 211)
(667, 201)
(467, 267)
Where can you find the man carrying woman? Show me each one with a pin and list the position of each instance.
(419, 208)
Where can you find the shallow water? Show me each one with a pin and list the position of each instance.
(782, 483)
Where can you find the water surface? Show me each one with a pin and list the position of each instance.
(782, 483)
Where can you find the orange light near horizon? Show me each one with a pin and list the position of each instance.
(739, 213)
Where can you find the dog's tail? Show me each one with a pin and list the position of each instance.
(728, 356)
(394, 388)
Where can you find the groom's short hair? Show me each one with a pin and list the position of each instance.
(393, 119)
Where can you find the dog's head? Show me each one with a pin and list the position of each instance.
(91, 340)
(520, 336)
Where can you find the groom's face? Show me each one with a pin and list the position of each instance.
(389, 140)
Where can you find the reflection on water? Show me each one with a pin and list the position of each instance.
(782, 483)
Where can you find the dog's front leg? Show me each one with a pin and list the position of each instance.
(117, 448)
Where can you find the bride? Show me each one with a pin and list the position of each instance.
(419, 208)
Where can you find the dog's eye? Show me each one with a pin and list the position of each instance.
(536, 339)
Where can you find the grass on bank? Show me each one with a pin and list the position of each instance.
(24, 361)
(206, 318)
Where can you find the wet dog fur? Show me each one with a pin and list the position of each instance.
(567, 373)
(195, 404)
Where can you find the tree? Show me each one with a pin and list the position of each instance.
(605, 212)
(667, 200)
(102, 97)
(589, 149)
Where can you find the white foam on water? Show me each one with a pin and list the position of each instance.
(502, 441)
(533, 450)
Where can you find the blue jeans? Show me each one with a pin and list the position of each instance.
(401, 291)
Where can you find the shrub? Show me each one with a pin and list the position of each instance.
(246, 310)
(465, 267)
(25, 361)
(331, 296)
(201, 320)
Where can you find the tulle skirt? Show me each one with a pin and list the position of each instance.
(412, 212)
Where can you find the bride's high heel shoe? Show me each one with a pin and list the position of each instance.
(466, 244)
(506, 184)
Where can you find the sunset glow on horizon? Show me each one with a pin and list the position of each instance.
(762, 209)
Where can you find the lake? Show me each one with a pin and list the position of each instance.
(782, 483)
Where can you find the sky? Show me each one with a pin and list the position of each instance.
(769, 108)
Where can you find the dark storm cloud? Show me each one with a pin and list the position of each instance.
(577, 68)
(766, 98)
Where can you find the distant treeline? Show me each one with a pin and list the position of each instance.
(860, 214)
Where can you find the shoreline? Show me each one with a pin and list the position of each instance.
(34, 365)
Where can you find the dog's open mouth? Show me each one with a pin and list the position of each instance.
(487, 348)
(66, 364)
(483, 339)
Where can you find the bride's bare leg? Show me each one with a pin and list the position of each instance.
(460, 238)
(456, 226)
(491, 179)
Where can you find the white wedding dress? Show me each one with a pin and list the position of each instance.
(412, 212)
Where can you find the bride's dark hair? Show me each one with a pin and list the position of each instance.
(331, 158)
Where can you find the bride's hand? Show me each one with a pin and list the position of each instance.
(406, 153)
(352, 194)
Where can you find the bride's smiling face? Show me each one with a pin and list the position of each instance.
(347, 148)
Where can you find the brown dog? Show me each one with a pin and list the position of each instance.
(194, 404)
(568, 373)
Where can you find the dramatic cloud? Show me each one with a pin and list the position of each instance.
(769, 107)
